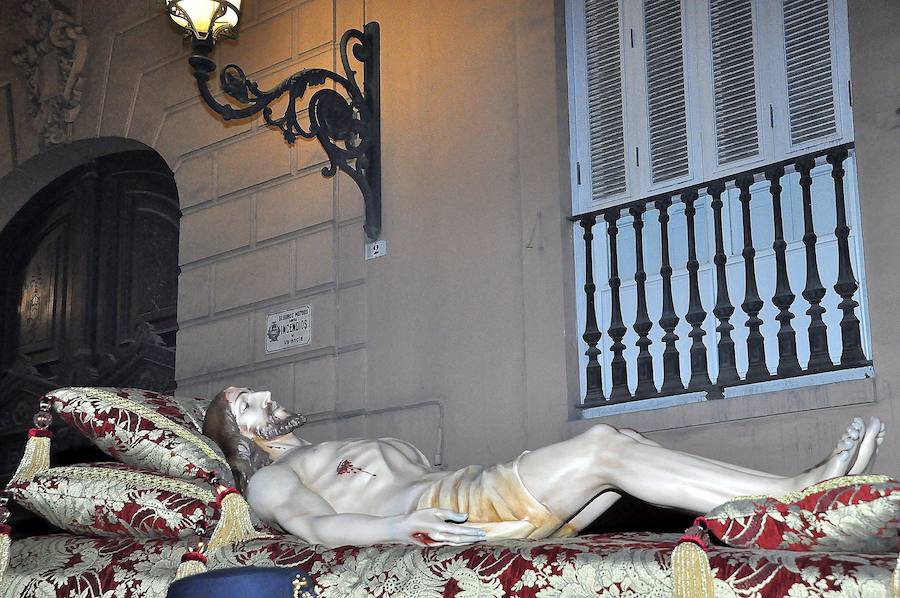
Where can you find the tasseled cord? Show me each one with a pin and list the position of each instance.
(193, 562)
(35, 460)
(691, 573)
(37, 455)
(234, 519)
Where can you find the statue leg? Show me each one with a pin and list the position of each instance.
(571, 474)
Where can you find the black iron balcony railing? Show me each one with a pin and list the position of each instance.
(711, 364)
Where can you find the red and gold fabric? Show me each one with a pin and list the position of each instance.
(144, 429)
(622, 565)
(111, 499)
(848, 514)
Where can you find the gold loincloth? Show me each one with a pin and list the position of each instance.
(496, 501)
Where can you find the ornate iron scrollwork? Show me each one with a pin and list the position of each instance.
(347, 125)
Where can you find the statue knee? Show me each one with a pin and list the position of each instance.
(608, 443)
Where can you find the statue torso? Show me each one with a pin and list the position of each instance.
(375, 477)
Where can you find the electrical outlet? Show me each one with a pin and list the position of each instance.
(377, 248)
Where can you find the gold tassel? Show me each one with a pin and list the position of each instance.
(895, 580)
(36, 458)
(692, 575)
(234, 520)
(193, 562)
(4, 549)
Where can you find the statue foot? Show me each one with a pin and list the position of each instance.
(868, 448)
(842, 458)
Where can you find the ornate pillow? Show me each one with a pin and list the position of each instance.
(111, 499)
(144, 429)
(846, 514)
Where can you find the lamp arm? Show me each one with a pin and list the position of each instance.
(345, 124)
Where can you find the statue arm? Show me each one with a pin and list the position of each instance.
(278, 497)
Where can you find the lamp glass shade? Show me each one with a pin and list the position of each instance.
(206, 18)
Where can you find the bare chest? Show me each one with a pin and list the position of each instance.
(375, 477)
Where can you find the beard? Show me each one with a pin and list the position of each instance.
(281, 423)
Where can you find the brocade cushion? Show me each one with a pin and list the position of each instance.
(111, 499)
(144, 429)
(846, 514)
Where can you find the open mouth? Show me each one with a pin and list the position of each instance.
(280, 427)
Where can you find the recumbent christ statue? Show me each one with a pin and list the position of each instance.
(371, 491)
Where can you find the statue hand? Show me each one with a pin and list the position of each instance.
(437, 527)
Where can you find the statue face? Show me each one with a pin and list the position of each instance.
(259, 417)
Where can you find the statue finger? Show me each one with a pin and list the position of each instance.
(448, 515)
(462, 530)
(453, 539)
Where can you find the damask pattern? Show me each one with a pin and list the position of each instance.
(850, 514)
(111, 499)
(621, 565)
(143, 429)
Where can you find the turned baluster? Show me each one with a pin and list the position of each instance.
(618, 367)
(723, 310)
(753, 304)
(669, 319)
(592, 335)
(813, 292)
(788, 364)
(642, 323)
(846, 285)
(695, 315)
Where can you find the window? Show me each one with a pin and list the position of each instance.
(668, 100)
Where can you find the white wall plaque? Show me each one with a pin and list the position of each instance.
(289, 329)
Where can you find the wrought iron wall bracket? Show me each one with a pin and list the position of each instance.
(347, 125)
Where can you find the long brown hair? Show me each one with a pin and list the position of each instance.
(241, 453)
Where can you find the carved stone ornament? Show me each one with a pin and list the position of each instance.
(53, 57)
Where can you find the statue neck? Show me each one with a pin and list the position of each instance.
(280, 445)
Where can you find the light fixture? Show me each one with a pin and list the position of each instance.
(347, 125)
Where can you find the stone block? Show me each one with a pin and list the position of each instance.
(350, 200)
(349, 15)
(216, 229)
(253, 160)
(159, 89)
(261, 45)
(352, 321)
(193, 293)
(255, 276)
(351, 369)
(278, 380)
(315, 259)
(294, 205)
(195, 389)
(315, 388)
(323, 318)
(264, 6)
(351, 249)
(193, 127)
(212, 347)
(316, 19)
(194, 179)
(126, 66)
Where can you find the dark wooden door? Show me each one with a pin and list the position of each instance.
(89, 273)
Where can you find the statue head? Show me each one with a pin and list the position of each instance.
(251, 428)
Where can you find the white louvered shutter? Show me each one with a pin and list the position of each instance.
(808, 61)
(605, 88)
(734, 81)
(667, 114)
(814, 78)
